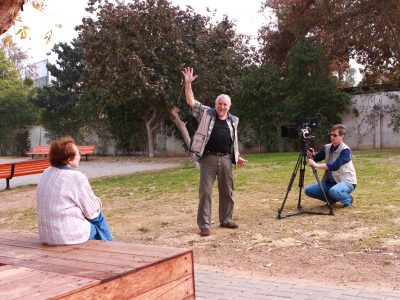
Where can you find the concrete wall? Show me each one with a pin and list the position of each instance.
(369, 131)
(364, 132)
(37, 138)
(165, 145)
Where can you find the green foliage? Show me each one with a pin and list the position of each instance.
(394, 111)
(367, 31)
(134, 54)
(262, 106)
(17, 114)
(311, 88)
(268, 99)
(64, 109)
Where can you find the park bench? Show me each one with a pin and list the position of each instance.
(39, 150)
(86, 150)
(22, 168)
(92, 270)
(44, 150)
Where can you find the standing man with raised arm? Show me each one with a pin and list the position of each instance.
(216, 147)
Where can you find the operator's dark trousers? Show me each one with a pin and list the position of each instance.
(212, 166)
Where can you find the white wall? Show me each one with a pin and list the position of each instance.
(375, 132)
(36, 136)
(170, 145)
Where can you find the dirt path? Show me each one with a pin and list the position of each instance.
(95, 167)
(316, 248)
(317, 257)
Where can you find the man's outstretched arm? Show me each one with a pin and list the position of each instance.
(189, 78)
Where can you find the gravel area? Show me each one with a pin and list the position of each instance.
(93, 169)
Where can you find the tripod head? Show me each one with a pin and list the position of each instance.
(304, 145)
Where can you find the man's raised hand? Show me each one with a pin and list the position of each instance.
(188, 75)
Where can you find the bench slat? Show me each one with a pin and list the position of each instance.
(39, 150)
(5, 170)
(10, 170)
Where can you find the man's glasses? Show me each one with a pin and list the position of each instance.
(334, 134)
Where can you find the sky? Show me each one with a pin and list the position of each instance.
(69, 13)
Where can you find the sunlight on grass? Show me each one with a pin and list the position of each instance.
(160, 206)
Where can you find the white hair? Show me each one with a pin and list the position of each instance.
(223, 96)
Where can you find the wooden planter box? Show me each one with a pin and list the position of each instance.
(93, 270)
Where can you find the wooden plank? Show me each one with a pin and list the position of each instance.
(66, 288)
(14, 252)
(29, 240)
(54, 257)
(16, 274)
(32, 241)
(61, 269)
(82, 255)
(56, 261)
(140, 282)
(111, 269)
(85, 255)
(24, 282)
(134, 249)
(6, 271)
(178, 289)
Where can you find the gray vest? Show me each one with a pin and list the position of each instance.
(203, 132)
(346, 173)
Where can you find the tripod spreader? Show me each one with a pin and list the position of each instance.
(301, 165)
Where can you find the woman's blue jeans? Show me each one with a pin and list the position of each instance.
(99, 229)
(335, 192)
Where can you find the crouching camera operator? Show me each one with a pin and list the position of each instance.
(340, 176)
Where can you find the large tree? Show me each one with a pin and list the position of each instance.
(312, 89)
(64, 104)
(368, 31)
(262, 107)
(134, 54)
(17, 114)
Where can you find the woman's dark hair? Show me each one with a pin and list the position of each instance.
(61, 151)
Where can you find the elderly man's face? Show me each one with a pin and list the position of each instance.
(222, 106)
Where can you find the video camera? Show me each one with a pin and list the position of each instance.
(302, 130)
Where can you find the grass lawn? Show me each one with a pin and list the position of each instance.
(142, 206)
(159, 207)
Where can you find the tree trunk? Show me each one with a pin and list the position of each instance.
(176, 119)
(150, 130)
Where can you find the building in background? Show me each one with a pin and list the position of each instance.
(38, 72)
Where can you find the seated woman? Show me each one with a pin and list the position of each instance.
(68, 210)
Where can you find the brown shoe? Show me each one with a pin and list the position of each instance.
(205, 232)
(230, 224)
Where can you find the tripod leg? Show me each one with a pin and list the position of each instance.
(293, 177)
(323, 192)
(303, 164)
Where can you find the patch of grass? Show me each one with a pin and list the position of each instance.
(19, 219)
(165, 202)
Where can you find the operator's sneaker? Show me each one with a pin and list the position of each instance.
(351, 203)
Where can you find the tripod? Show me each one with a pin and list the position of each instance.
(301, 164)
